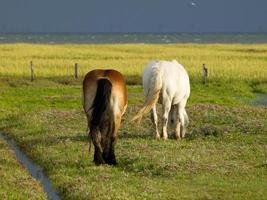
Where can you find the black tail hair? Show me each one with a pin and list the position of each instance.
(101, 102)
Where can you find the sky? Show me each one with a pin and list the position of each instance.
(97, 16)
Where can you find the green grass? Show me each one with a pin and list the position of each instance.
(222, 157)
(15, 182)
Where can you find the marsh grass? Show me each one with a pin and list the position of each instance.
(225, 62)
(15, 182)
(222, 157)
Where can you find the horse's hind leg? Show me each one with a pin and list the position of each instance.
(166, 109)
(96, 138)
(109, 153)
(154, 119)
(110, 157)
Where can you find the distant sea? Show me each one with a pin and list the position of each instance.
(147, 38)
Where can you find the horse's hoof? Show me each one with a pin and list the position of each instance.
(157, 137)
(165, 137)
(177, 137)
(111, 161)
(98, 160)
(182, 136)
(110, 158)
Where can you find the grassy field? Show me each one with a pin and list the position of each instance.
(224, 156)
(15, 182)
(242, 62)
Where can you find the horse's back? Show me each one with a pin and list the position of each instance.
(175, 80)
(118, 93)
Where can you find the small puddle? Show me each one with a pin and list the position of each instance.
(261, 99)
(35, 170)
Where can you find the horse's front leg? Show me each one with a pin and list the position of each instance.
(166, 106)
(176, 121)
(177, 134)
(154, 119)
(183, 118)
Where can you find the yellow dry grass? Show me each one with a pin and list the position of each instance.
(224, 61)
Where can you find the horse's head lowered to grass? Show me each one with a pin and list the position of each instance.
(167, 83)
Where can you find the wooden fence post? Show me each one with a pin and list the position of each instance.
(204, 74)
(76, 71)
(32, 71)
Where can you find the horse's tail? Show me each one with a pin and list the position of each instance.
(101, 103)
(153, 93)
(100, 108)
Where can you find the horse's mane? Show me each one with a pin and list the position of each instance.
(101, 102)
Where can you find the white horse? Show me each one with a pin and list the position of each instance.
(166, 82)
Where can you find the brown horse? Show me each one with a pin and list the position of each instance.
(104, 102)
